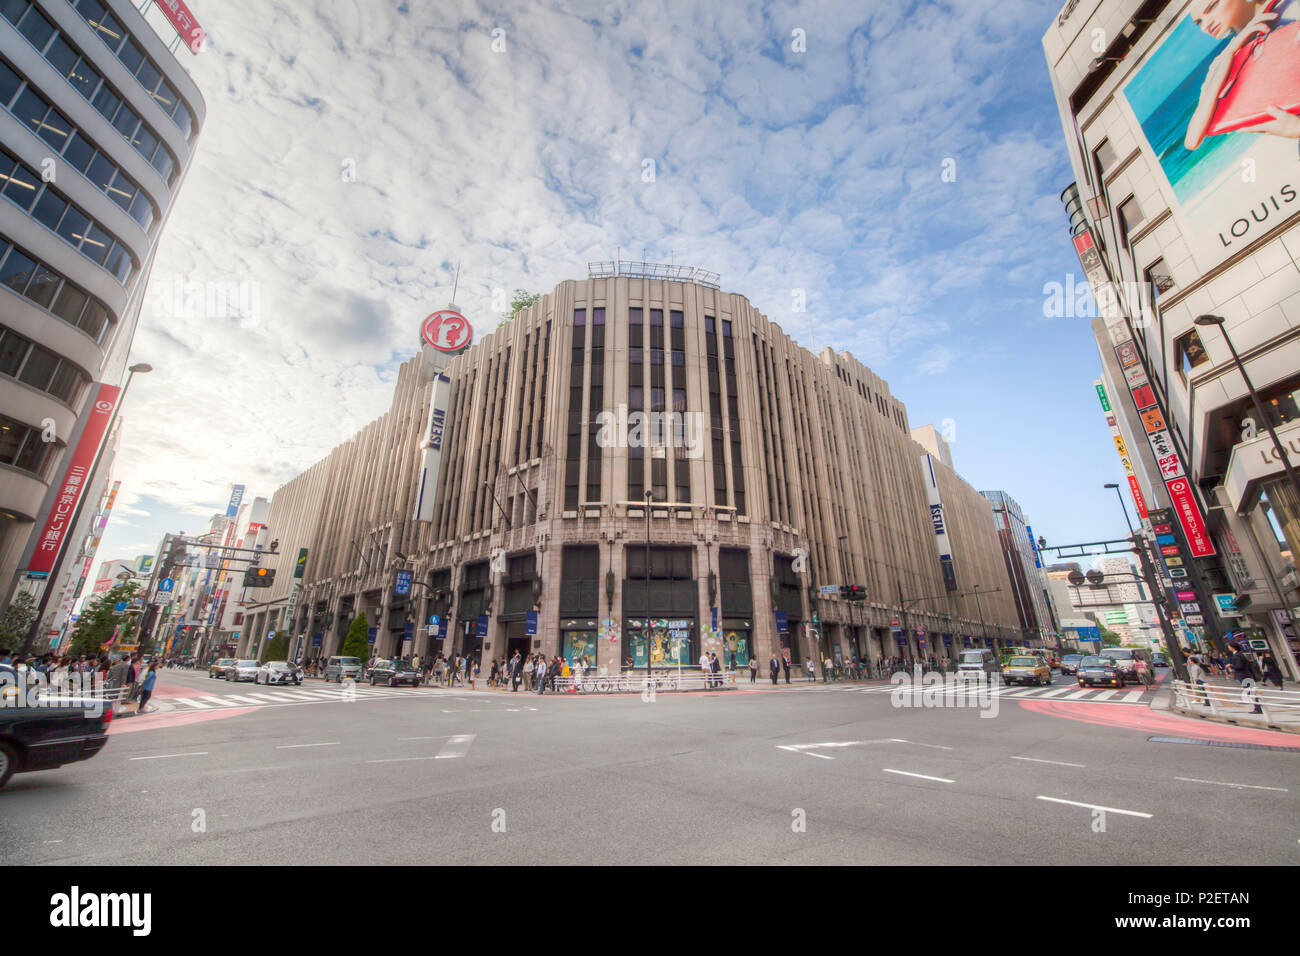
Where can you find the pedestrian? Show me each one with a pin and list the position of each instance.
(1196, 674)
(706, 669)
(774, 668)
(495, 675)
(1243, 672)
(785, 664)
(541, 675)
(146, 687)
(753, 669)
(1272, 673)
(812, 676)
(717, 669)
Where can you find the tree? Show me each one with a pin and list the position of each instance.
(97, 621)
(276, 648)
(357, 643)
(1109, 638)
(522, 300)
(15, 621)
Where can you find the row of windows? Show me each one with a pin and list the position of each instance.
(83, 78)
(35, 112)
(23, 187)
(21, 446)
(40, 368)
(137, 63)
(33, 279)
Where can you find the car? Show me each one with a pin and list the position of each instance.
(278, 672)
(242, 670)
(47, 732)
(218, 667)
(1027, 669)
(393, 673)
(342, 668)
(1159, 660)
(981, 663)
(1095, 669)
(1126, 659)
(1070, 663)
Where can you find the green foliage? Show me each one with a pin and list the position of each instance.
(522, 300)
(1109, 638)
(97, 621)
(356, 643)
(15, 621)
(276, 648)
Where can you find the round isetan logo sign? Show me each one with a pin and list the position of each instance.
(447, 330)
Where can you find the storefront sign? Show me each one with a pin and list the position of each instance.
(1227, 604)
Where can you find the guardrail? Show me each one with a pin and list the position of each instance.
(660, 682)
(1237, 701)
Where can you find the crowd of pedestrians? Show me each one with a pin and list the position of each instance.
(65, 674)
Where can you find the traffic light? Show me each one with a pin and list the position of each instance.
(259, 577)
(853, 592)
(176, 554)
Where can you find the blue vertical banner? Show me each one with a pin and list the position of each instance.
(530, 623)
(236, 496)
(782, 622)
(403, 586)
(482, 625)
(370, 635)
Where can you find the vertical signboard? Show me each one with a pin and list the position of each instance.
(59, 521)
(236, 496)
(939, 524)
(1139, 501)
(435, 433)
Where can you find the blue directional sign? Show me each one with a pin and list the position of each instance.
(119, 607)
(782, 622)
(166, 584)
(530, 623)
(434, 621)
(403, 586)
(370, 634)
(482, 625)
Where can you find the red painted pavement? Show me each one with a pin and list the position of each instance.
(165, 721)
(1156, 722)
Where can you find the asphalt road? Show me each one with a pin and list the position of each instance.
(438, 776)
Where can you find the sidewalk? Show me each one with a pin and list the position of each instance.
(1231, 706)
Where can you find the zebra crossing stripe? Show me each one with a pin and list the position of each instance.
(246, 700)
(1132, 696)
(190, 702)
(1106, 695)
(1055, 692)
(1079, 693)
(219, 701)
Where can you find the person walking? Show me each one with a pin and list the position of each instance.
(1272, 673)
(516, 665)
(1197, 675)
(753, 670)
(706, 669)
(146, 686)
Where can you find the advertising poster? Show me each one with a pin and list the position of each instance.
(1217, 103)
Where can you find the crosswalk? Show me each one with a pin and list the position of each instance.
(296, 695)
(1139, 695)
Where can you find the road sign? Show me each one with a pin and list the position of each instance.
(119, 607)
(403, 586)
(829, 589)
(530, 623)
(166, 584)
(434, 620)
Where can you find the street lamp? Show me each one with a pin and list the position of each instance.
(645, 631)
(1206, 321)
(52, 579)
(1111, 484)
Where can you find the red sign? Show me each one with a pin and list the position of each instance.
(1169, 550)
(59, 521)
(1137, 496)
(184, 22)
(1144, 397)
(1189, 516)
(447, 331)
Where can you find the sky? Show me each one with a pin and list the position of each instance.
(896, 164)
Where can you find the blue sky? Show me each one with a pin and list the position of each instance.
(354, 151)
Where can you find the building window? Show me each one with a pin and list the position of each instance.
(1189, 353)
(1130, 217)
(34, 280)
(1104, 157)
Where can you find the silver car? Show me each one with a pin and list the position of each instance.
(278, 672)
(242, 670)
(342, 668)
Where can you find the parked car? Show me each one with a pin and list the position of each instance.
(278, 672)
(1095, 669)
(394, 673)
(1159, 660)
(57, 731)
(218, 667)
(1070, 663)
(1126, 659)
(242, 670)
(342, 668)
(981, 663)
(1027, 669)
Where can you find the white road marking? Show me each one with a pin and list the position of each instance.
(1221, 783)
(806, 753)
(248, 700)
(196, 753)
(190, 702)
(1133, 695)
(922, 776)
(1106, 695)
(219, 701)
(400, 759)
(1094, 806)
(455, 747)
(331, 743)
(1059, 763)
(1056, 691)
(1079, 693)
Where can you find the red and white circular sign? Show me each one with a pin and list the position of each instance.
(447, 330)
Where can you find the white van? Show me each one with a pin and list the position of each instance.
(981, 663)
(341, 668)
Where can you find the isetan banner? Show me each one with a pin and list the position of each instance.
(1217, 103)
(59, 521)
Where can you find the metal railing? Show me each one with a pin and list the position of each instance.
(660, 682)
(1219, 700)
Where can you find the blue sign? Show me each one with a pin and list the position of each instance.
(434, 621)
(1089, 633)
(1165, 539)
(947, 640)
(530, 623)
(403, 586)
(166, 584)
(715, 618)
(370, 635)
(119, 607)
(782, 622)
(482, 625)
(317, 639)
(1227, 604)
(408, 631)
(236, 496)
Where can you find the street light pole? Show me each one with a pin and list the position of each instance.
(1111, 484)
(1210, 320)
(51, 582)
(645, 631)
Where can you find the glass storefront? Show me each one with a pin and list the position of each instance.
(671, 642)
(580, 646)
(737, 641)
